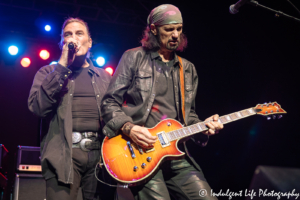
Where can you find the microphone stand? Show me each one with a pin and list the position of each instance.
(277, 12)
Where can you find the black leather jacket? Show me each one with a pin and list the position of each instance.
(131, 93)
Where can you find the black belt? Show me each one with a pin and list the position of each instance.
(82, 141)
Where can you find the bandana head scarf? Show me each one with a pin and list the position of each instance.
(164, 14)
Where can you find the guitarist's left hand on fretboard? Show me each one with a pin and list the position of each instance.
(213, 124)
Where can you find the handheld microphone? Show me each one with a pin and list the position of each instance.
(71, 45)
(234, 8)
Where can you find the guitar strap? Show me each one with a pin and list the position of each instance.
(181, 74)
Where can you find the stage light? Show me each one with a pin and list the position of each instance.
(13, 50)
(25, 62)
(48, 28)
(110, 70)
(100, 61)
(53, 62)
(44, 54)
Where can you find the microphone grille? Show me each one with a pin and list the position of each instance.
(71, 46)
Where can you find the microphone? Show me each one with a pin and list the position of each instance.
(234, 8)
(71, 45)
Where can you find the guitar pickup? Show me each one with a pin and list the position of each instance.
(163, 139)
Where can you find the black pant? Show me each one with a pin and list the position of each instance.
(84, 164)
(177, 179)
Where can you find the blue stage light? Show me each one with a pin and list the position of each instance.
(100, 61)
(47, 27)
(13, 50)
(53, 62)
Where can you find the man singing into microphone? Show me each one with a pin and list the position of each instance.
(67, 97)
(152, 83)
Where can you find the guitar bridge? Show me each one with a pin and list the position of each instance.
(164, 142)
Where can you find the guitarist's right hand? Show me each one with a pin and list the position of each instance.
(140, 135)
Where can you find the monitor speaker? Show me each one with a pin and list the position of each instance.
(32, 187)
(29, 186)
(269, 182)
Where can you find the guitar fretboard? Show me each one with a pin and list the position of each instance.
(200, 127)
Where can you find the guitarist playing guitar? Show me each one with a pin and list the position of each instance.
(152, 83)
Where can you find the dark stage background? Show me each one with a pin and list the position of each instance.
(242, 60)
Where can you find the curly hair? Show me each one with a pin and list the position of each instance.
(152, 42)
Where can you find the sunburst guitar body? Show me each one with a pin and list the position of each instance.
(131, 165)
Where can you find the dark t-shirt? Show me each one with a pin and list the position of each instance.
(164, 103)
(85, 112)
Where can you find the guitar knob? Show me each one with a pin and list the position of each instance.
(279, 116)
(274, 116)
(143, 165)
(135, 168)
(268, 118)
(149, 159)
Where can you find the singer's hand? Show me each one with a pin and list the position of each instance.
(67, 56)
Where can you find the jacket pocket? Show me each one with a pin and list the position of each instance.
(143, 81)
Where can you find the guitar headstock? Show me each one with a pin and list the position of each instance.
(268, 109)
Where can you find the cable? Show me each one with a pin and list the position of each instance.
(121, 186)
(294, 6)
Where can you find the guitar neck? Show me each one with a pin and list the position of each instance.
(200, 127)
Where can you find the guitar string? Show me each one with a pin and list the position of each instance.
(240, 116)
(225, 122)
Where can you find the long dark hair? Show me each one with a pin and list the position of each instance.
(151, 41)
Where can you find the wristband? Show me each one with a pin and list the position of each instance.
(127, 128)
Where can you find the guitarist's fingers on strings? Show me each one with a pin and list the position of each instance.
(213, 125)
(142, 137)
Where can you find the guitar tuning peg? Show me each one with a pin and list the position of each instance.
(274, 116)
(268, 118)
(279, 116)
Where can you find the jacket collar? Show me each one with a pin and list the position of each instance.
(92, 69)
(155, 55)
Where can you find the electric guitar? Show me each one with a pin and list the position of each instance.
(130, 165)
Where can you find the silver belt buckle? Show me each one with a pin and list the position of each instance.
(82, 144)
(76, 137)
